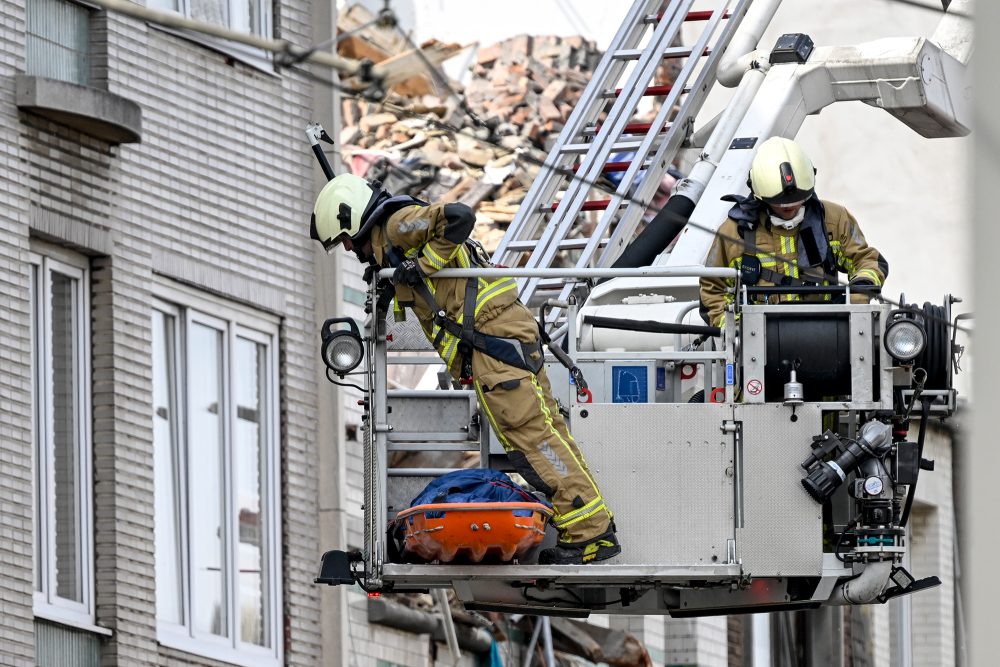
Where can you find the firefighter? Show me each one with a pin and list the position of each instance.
(484, 334)
(783, 234)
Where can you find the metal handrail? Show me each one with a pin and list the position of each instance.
(636, 272)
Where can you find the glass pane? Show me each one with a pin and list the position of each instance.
(205, 411)
(165, 5)
(38, 391)
(165, 467)
(57, 41)
(211, 11)
(249, 361)
(66, 431)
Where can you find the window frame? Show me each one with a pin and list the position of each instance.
(47, 604)
(256, 57)
(87, 53)
(189, 308)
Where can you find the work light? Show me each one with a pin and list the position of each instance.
(341, 349)
(904, 337)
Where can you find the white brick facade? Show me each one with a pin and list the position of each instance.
(216, 196)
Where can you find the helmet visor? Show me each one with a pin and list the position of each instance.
(788, 205)
(329, 244)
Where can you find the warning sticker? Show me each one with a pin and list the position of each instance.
(754, 387)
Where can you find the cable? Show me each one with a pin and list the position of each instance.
(840, 536)
(573, 176)
(343, 384)
(160, 18)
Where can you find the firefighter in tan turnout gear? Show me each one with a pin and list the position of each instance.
(484, 334)
(782, 234)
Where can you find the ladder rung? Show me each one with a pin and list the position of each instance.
(620, 147)
(672, 52)
(703, 15)
(592, 205)
(610, 167)
(631, 128)
(568, 244)
(432, 447)
(651, 90)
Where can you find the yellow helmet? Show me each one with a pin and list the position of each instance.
(340, 210)
(781, 173)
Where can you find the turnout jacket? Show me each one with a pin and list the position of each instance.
(826, 242)
(436, 235)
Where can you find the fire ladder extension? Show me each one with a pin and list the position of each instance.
(545, 228)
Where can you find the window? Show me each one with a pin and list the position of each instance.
(249, 16)
(57, 43)
(216, 470)
(60, 355)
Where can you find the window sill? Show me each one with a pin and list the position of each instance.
(55, 615)
(98, 113)
(176, 638)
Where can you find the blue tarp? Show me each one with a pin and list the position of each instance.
(476, 485)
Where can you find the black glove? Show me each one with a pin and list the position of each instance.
(408, 273)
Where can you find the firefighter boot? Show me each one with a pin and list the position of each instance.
(602, 547)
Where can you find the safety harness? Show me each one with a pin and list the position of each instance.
(510, 351)
(812, 233)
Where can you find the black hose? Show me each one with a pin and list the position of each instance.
(936, 357)
(657, 235)
(912, 491)
(650, 326)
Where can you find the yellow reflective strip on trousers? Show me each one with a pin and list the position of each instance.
(449, 346)
(489, 416)
(567, 524)
(576, 512)
(587, 510)
(555, 431)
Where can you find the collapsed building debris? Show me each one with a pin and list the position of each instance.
(483, 152)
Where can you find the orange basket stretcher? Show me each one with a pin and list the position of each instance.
(473, 531)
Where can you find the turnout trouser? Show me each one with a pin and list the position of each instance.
(526, 420)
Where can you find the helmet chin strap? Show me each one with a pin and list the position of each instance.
(791, 223)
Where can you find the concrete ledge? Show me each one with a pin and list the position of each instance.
(100, 114)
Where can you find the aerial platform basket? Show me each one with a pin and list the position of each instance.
(476, 532)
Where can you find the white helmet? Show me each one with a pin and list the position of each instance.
(781, 173)
(341, 209)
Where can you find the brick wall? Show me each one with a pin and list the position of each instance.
(16, 586)
(217, 196)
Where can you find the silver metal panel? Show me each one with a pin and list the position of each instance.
(407, 336)
(866, 344)
(782, 532)
(754, 342)
(430, 415)
(667, 470)
(862, 356)
(604, 573)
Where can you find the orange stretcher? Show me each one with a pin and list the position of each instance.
(473, 531)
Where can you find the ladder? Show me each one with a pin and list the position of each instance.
(545, 229)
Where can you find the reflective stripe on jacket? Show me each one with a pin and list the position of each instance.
(782, 251)
(436, 235)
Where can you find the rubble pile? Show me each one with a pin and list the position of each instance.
(521, 93)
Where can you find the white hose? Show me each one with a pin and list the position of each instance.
(867, 587)
(740, 50)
